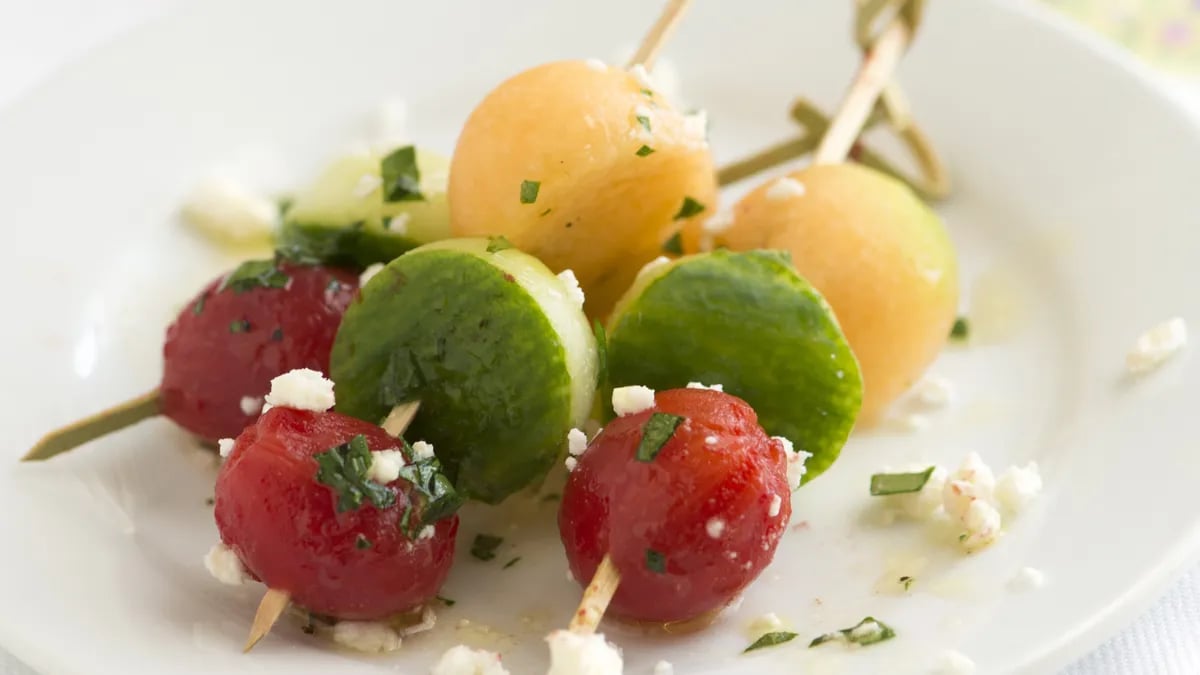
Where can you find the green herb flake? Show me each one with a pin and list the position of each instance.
(344, 469)
(239, 326)
(277, 335)
(485, 545)
(647, 92)
(689, 208)
(497, 244)
(655, 433)
(361, 542)
(284, 204)
(656, 562)
(255, 274)
(512, 562)
(400, 175)
(529, 191)
(430, 485)
(601, 353)
(333, 286)
(961, 329)
(546, 212)
(644, 151)
(644, 121)
(770, 640)
(906, 582)
(899, 483)
(869, 631)
(674, 245)
(199, 306)
(446, 601)
(210, 501)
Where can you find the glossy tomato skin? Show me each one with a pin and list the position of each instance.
(286, 529)
(705, 507)
(228, 344)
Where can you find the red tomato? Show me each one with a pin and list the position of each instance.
(688, 529)
(228, 344)
(284, 525)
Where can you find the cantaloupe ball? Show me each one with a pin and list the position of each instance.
(878, 254)
(584, 166)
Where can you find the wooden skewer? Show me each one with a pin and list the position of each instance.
(400, 417)
(596, 598)
(94, 426)
(647, 52)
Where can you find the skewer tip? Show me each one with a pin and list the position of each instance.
(270, 608)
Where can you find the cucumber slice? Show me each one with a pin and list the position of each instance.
(339, 220)
(501, 358)
(747, 321)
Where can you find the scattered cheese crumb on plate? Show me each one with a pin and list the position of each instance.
(1157, 345)
(372, 637)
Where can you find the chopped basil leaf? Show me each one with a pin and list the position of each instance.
(644, 121)
(689, 208)
(512, 562)
(445, 601)
(868, 632)
(907, 582)
(199, 306)
(333, 286)
(485, 545)
(430, 485)
(656, 562)
(770, 640)
(529, 191)
(344, 468)
(497, 244)
(401, 177)
(255, 274)
(674, 245)
(277, 335)
(644, 150)
(361, 542)
(655, 433)
(284, 204)
(961, 329)
(240, 326)
(601, 353)
(899, 483)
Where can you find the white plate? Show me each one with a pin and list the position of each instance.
(1075, 198)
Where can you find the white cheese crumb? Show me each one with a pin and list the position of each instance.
(427, 532)
(422, 451)
(427, 623)
(642, 76)
(767, 623)
(695, 127)
(653, 265)
(251, 405)
(785, 188)
(1027, 579)
(711, 387)
(225, 566)
(302, 389)
(715, 527)
(577, 442)
(571, 463)
(574, 292)
(954, 663)
(776, 505)
(597, 65)
(972, 481)
(368, 273)
(223, 209)
(934, 391)
(573, 654)
(385, 466)
(639, 129)
(399, 223)
(788, 447)
(796, 460)
(372, 637)
(664, 668)
(925, 502)
(632, 400)
(367, 184)
(462, 660)
(1156, 346)
(982, 523)
(225, 446)
(711, 440)
(866, 629)
(1018, 486)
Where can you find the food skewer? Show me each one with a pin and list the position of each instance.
(659, 33)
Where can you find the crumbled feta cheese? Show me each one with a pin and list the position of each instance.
(718, 223)
(643, 125)
(462, 660)
(251, 405)
(796, 459)
(664, 668)
(642, 76)
(767, 623)
(632, 400)
(695, 127)
(1018, 486)
(934, 391)
(711, 387)
(399, 223)
(788, 447)
(715, 527)
(373, 637)
(577, 442)
(954, 663)
(597, 65)
(422, 451)
(385, 466)
(221, 208)
(367, 184)
(982, 523)
(711, 440)
(1027, 579)
(1156, 346)
(225, 446)
(427, 532)
(865, 631)
(302, 389)
(571, 463)
(574, 654)
(776, 505)
(574, 292)
(973, 480)
(785, 188)
(225, 566)
(368, 273)
(925, 502)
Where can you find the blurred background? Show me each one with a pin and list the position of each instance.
(1165, 33)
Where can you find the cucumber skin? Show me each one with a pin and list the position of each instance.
(383, 356)
(747, 321)
(353, 245)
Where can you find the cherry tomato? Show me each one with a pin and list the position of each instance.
(360, 563)
(240, 332)
(690, 527)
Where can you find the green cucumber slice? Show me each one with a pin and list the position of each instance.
(747, 321)
(502, 359)
(337, 221)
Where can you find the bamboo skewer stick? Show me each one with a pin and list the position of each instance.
(658, 34)
(596, 598)
(94, 426)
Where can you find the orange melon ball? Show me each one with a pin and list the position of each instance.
(879, 255)
(586, 167)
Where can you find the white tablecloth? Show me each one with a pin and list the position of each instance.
(38, 36)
